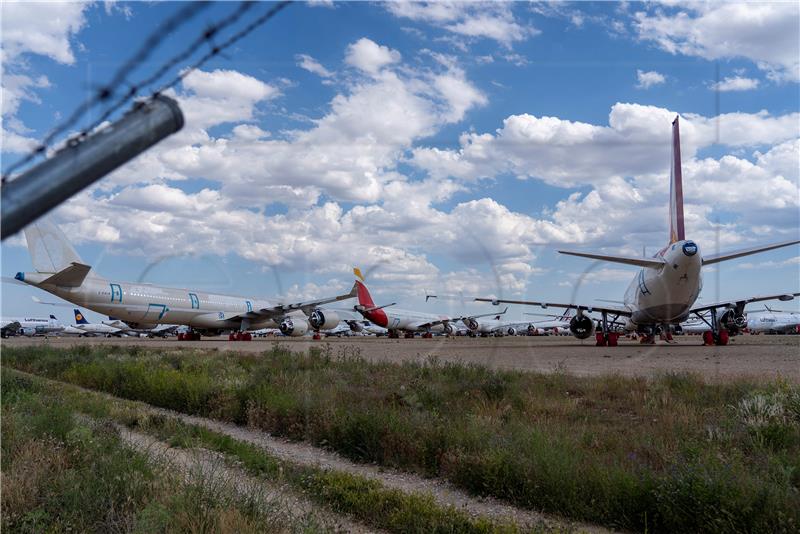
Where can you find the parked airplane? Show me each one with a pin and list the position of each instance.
(558, 325)
(30, 326)
(60, 271)
(664, 291)
(773, 321)
(159, 330)
(94, 329)
(495, 326)
(409, 322)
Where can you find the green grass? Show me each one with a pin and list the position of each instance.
(665, 454)
(61, 474)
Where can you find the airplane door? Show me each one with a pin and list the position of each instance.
(116, 293)
(195, 301)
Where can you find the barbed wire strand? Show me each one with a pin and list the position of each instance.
(206, 36)
(105, 92)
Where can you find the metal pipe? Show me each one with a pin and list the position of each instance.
(81, 163)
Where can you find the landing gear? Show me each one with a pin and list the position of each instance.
(720, 338)
(393, 334)
(316, 336)
(240, 336)
(189, 336)
(427, 335)
(604, 337)
(409, 335)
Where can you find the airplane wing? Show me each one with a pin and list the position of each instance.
(740, 303)
(616, 310)
(282, 310)
(625, 260)
(725, 256)
(457, 319)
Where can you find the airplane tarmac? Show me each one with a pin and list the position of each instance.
(60, 271)
(664, 291)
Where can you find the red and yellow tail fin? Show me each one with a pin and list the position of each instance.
(676, 229)
(364, 298)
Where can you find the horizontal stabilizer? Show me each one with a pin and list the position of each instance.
(654, 263)
(725, 256)
(72, 276)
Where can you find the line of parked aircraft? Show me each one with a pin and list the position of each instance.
(661, 296)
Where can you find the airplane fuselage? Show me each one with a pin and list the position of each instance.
(666, 294)
(146, 304)
(406, 320)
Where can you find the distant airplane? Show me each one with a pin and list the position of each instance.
(159, 330)
(664, 291)
(409, 322)
(94, 329)
(493, 327)
(773, 321)
(30, 326)
(559, 324)
(60, 271)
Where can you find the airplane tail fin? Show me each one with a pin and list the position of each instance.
(364, 298)
(50, 249)
(79, 318)
(676, 228)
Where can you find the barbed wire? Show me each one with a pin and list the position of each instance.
(108, 91)
(105, 92)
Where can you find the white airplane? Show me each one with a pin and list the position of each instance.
(94, 329)
(409, 322)
(664, 291)
(60, 271)
(30, 326)
(558, 325)
(159, 330)
(773, 321)
(495, 326)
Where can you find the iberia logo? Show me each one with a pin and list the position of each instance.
(79, 317)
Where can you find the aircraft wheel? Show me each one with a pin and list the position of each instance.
(722, 337)
(317, 337)
(231, 337)
(600, 339)
(612, 338)
(708, 338)
(247, 336)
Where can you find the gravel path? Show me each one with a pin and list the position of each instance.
(444, 493)
(209, 468)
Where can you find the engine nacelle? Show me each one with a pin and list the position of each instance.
(581, 326)
(472, 324)
(323, 319)
(732, 321)
(294, 327)
(28, 331)
(449, 329)
(511, 331)
(356, 326)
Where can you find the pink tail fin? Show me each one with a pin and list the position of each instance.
(676, 229)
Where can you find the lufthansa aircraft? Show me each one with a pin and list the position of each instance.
(60, 271)
(664, 291)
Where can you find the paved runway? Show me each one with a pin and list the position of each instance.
(763, 357)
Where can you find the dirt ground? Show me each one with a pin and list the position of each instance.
(762, 357)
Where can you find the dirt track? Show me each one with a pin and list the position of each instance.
(754, 356)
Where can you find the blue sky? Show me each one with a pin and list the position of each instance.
(454, 146)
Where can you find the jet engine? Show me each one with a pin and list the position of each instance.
(472, 324)
(323, 319)
(511, 331)
(294, 326)
(581, 326)
(449, 329)
(732, 320)
(355, 326)
(28, 331)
